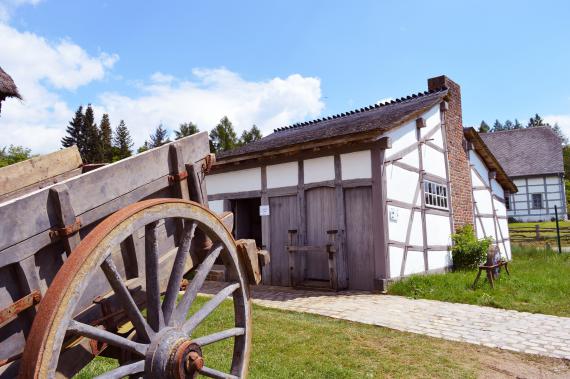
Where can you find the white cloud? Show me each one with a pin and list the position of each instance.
(210, 95)
(7, 7)
(42, 70)
(563, 120)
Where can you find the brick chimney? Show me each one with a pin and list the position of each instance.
(459, 169)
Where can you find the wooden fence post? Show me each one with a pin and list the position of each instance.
(537, 232)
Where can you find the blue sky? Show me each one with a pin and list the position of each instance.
(274, 63)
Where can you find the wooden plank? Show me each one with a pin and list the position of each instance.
(41, 184)
(423, 201)
(359, 239)
(321, 217)
(302, 217)
(341, 255)
(265, 226)
(178, 169)
(283, 218)
(379, 216)
(234, 195)
(37, 169)
(94, 190)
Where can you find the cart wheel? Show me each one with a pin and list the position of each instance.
(164, 345)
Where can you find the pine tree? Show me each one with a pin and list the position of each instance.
(159, 137)
(484, 127)
(90, 138)
(106, 139)
(186, 129)
(223, 136)
(535, 121)
(517, 125)
(497, 126)
(74, 129)
(249, 136)
(509, 125)
(143, 148)
(556, 129)
(122, 142)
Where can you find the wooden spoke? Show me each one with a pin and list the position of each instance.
(188, 298)
(105, 336)
(154, 312)
(122, 371)
(177, 271)
(212, 373)
(215, 337)
(208, 308)
(116, 282)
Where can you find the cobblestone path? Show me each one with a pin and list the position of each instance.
(505, 329)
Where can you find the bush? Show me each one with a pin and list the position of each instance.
(513, 220)
(468, 252)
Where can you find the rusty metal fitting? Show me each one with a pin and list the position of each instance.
(177, 177)
(66, 231)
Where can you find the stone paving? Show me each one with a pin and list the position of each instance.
(505, 329)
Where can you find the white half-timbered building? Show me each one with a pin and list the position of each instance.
(357, 199)
(532, 157)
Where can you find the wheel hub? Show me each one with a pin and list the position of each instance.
(172, 355)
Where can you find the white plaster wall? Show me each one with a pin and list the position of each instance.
(489, 225)
(414, 262)
(479, 166)
(475, 180)
(412, 159)
(434, 162)
(535, 181)
(479, 228)
(282, 175)
(318, 169)
(497, 188)
(235, 181)
(552, 180)
(397, 229)
(356, 165)
(438, 230)
(216, 205)
(401, 184)
(439, 259)
(437, 138)
(500, 208)
(402, 137)
(396, 256)
(483, 200)
(417, 233)
(432, 118)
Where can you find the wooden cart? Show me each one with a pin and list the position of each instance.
(92, 263)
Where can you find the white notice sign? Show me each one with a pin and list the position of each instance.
(264, 210)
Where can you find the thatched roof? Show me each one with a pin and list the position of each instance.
(7, 87)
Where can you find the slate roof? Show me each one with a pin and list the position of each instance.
(377, 117)
(526, 152)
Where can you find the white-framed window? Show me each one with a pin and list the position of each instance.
(435, 195)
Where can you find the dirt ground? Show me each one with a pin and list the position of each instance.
(503, 364)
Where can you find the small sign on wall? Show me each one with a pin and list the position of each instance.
(264, 210)
(393, 212)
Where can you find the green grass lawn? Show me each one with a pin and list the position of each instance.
(297, 345)
(527, 229)
(539, 283)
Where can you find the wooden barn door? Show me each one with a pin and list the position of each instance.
(284, 216)
(359, 244)
(321, 217)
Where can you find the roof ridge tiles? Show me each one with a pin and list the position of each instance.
(362, 110)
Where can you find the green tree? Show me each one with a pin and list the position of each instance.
(250, 135)
(14, 154)
(223, 136)
(508, 125)
(535, 121)
(90, 140)
(497, 126)
(556, 129)
(517, 125)
(74, 129)
(159, 137)
(143, 148)
(186, 129)
(122, 142)
(484, 127)
(106, 139)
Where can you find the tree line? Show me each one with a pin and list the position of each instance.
(534, 121)
(99, 143)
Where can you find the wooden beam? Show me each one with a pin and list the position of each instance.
(341, 255)
(379, 218)
(67, 222)
(265, 226)
(37, 169)
(420, 123)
